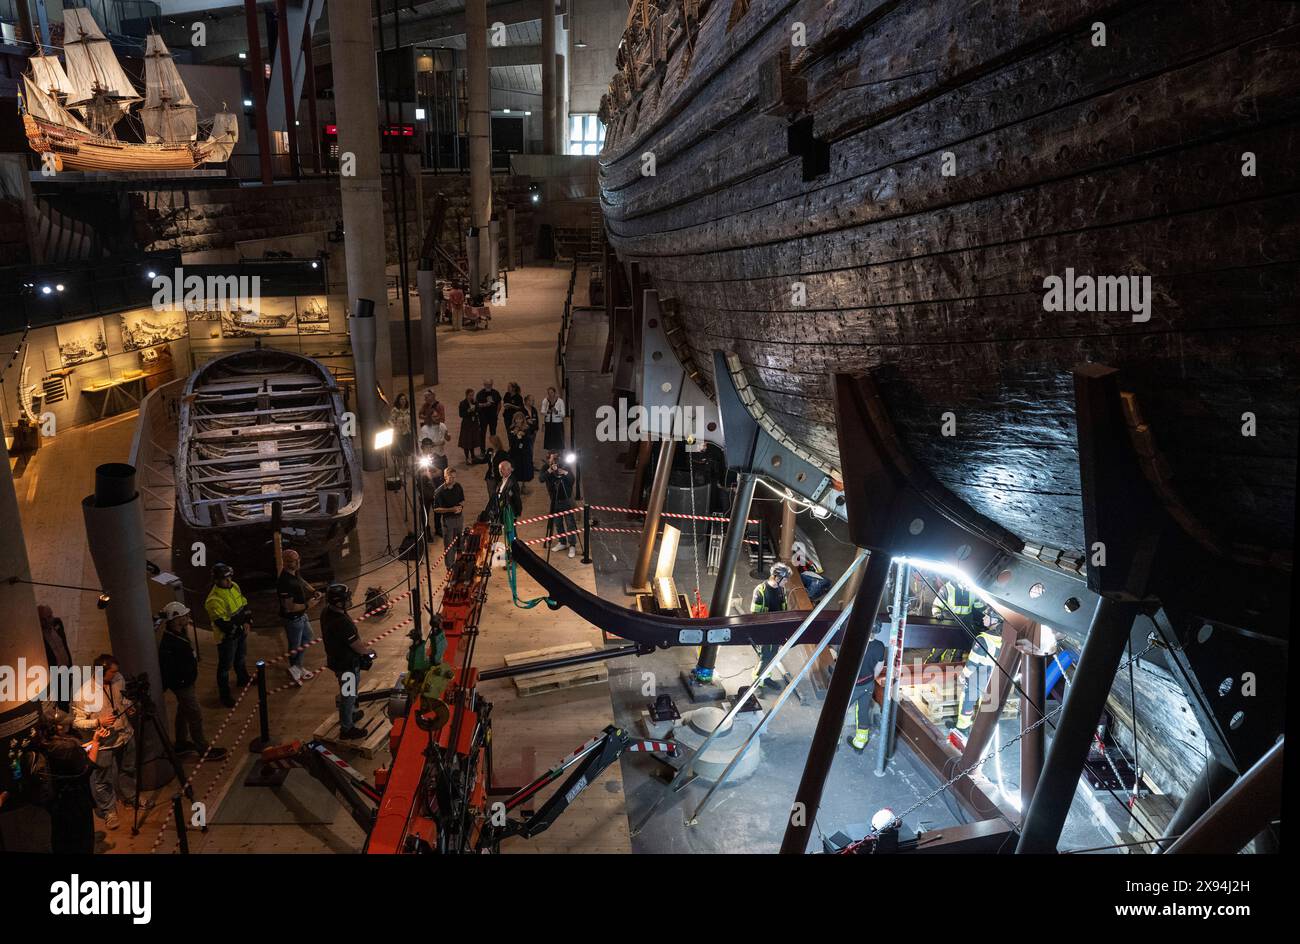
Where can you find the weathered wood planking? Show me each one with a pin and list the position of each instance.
(1124, 159)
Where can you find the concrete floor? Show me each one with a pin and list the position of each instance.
(529, 733)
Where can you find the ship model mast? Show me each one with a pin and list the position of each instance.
(73, 113)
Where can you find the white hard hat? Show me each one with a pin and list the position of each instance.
(175, 609)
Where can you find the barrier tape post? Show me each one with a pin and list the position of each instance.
(586, 533)
(178, 813)
(263, 711)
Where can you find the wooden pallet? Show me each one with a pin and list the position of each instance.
(376, 723)
(537, 683)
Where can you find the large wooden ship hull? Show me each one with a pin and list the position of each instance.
(262, 427)
(919, 169)
(75, 150)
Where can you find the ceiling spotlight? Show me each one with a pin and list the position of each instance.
(59, 287)
(579, 45)
(243, 55)
(45, 290)
(153, 274)
(506, 110)
(248, 103)
(315, 264)
(102, 601)
(528, 113)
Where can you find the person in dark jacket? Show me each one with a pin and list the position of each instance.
(489, 407)
(470, 438)
(180, 669)
(522, 430)
(64, 769)
(503, 494)
(346, 657)
(559, 483)
(511, 404)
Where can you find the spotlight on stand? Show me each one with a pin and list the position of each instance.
(570, 458)
(384, 438)
(425, 462)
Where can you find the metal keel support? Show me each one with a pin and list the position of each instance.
(1214, 780)
(658, 492)
(1107, 638)
(1247, 807)
(898, 626)
(866, 610)
(720, 605)
(762, 725)
(685, 774)
(1033, 736)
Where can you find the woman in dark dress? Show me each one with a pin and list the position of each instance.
(511, 403)
(469, 437)
(523, 427)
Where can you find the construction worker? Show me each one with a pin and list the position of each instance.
(231, 619)
(346, 656)
(769, 597)
(864, 689)
(979, 668)
(955, 601)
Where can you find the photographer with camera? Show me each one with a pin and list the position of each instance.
(180, 670)
(100, 715)
(560, 484)
(345, 655)
(64, 772)
(231, 618)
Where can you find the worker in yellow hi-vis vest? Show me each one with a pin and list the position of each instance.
(955, 601)
(979, 668)
(769, 597)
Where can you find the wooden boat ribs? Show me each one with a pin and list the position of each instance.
(261, 427)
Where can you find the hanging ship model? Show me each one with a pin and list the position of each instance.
(965, 205)
(73, 113)
(261, 432)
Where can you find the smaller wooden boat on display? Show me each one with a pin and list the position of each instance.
(260, 428)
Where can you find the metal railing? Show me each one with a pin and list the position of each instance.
(562, 349)
(153, 454)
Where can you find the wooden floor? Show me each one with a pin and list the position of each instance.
(529, 734)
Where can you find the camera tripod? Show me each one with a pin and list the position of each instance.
(137, 690)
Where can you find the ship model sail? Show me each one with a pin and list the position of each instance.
(73, 112)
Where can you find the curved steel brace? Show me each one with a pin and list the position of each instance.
(752, 629)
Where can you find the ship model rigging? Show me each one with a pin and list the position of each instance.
(73, 113)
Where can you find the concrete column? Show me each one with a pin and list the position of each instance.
(429, 303)
(361, 328)
(114, 517)
(561, 103)
(20, 630)
(356, 106)
(479, 131)
(550, 142)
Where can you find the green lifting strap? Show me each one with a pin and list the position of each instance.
(508, 526)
